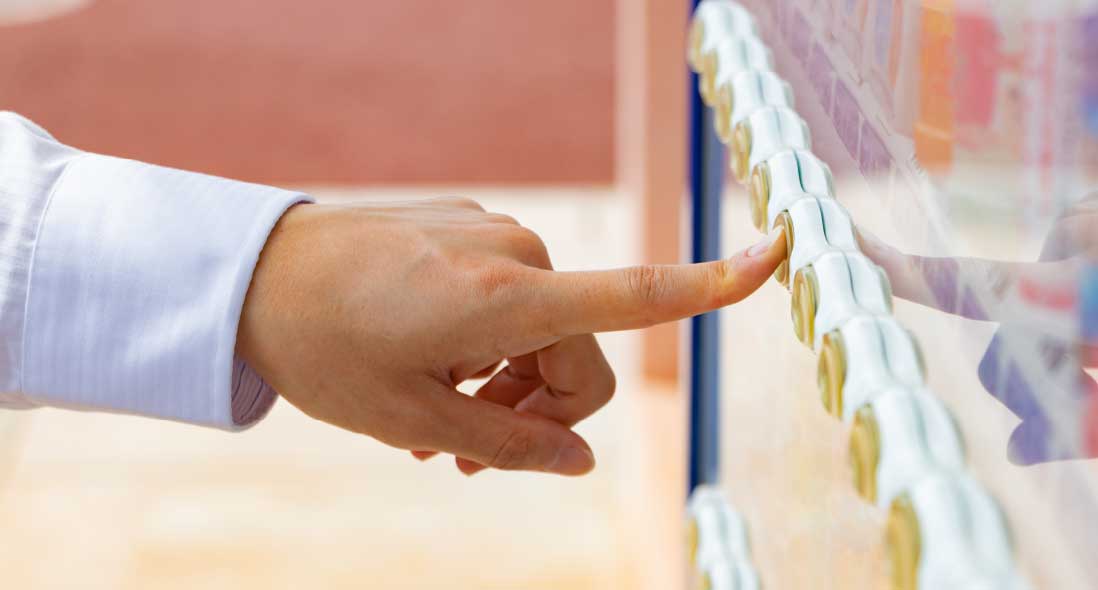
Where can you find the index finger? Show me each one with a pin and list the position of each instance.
(976, 288)
(643, 296)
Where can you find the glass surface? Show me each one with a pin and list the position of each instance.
(963, 139)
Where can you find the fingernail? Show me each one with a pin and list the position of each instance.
(469, 468)
(764, 246)
(573, 461)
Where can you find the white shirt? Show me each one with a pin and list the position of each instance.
(122, 283)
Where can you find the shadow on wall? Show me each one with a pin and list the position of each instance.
(326, 91)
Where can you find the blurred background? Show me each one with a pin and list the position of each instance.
(362, 100)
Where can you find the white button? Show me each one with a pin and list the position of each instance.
(917, 437)
(763, 134)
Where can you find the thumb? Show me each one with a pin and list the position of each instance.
(497, 436)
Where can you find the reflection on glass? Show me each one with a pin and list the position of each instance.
(1035, 364)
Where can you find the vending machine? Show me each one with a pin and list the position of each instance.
(912, 403)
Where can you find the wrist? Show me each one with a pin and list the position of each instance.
(265, 300)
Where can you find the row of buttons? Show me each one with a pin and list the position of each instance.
(718, 545)
(944, 531)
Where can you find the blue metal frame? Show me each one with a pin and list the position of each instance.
(707, 162)
(1088, 305)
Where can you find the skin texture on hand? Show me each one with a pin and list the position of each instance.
(369, 316)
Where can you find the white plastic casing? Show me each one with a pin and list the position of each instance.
(917, 438)
(773, 130)
(722, 19)
(731, 576)
(723, 551)
(879, 354)
(904, 357)
(793, 175)
(820, 225)
(1008, 581)
(756, 89)
(737, 54)
(848, 284)
(964, 539)
(838, 226)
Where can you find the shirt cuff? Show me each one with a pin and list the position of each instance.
(137, 283)
(252, 398)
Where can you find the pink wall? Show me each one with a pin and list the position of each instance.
(338, 91)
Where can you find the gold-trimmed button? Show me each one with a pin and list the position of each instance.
(759, 195)
(785, 222)
(903, 540)
(865, 453)
(831, 373)
(803, 305)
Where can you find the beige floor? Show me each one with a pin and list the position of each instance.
(97, 501)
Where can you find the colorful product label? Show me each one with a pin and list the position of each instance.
(800, 36)
(821, 73)
(1088, 323)
(847, 116)
(1088, 305)
(873, 157)
(1089, 57)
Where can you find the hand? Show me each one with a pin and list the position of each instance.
(369, 316)
(1035, 362)
(996, 290)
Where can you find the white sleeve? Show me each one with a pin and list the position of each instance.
(122, 283)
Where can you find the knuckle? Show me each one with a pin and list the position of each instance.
(608, 389)
(647, 284)
(536, 253)
(526, 246)
(464, 202)
(501, 218)
(539, 256)
(717, 277)
(513, 452)
(523, 235)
